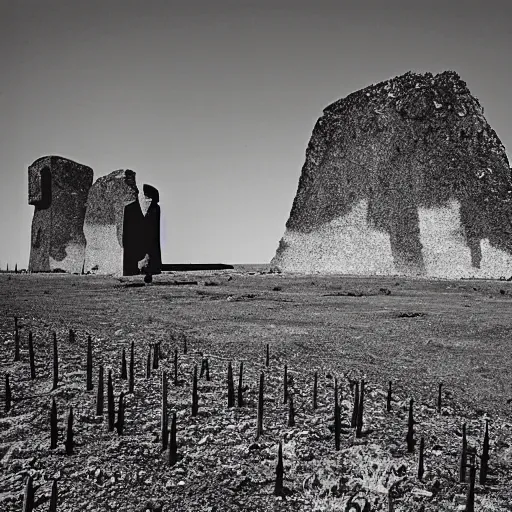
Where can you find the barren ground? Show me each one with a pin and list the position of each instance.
(415, 333)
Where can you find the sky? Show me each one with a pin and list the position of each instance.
(213, 102)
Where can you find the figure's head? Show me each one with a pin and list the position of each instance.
(151, 192)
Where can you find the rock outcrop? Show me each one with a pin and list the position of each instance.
(122, 228)
(403, 177)
(104, 221)
(58, 189)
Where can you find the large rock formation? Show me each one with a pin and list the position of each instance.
(58, 188)
(121, 238)
(403, 177)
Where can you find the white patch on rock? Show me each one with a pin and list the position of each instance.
(348, 245)
(345, 245)
(103, 253)
(445, 251)
(73, 261)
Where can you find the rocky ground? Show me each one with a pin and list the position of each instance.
(415, 333)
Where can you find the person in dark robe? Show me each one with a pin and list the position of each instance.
(141, 235)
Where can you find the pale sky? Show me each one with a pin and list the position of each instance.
(213, 102)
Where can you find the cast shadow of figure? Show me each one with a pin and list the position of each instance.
(141, 234)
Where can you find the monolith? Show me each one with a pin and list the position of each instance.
(58, 188)
(403, 177)
(105, 221)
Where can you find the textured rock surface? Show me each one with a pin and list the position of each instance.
(104, 221)
(403, 177)
(58, 188)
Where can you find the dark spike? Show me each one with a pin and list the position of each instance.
(131, 380)
(100, 393)
(175, 366)
(164, 421)
(207, 369)
(55, 362)
(156, 354)
(484, 459)
(410, 429)
(8, 394)
(89, 364)
(185, 345)
(148, 364)
(203, 367)
(54, 432)
(315, 391)
(16, 340)
(259, 427)
(31, 356)
(17, 347)
(54, 497)
(421, 467)
(231, 387)
(278, 489)
(267, 356)
(69, 444)
(124, 374)
(337, 418)
(291, 413)
(464, 456)
(173, 447)
(120, 415)
(71, 336)
(388, 401)
(440, 397)
(360, 410)
(355, 411)
(195, 399)
(28, 498)
(285, 384)
(16, 268)
(470, 499)
(110, 403)
(240, 384)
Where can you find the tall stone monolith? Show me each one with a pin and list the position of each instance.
(58, 188)
(104, 221)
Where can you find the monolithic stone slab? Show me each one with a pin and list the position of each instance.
(58, 189)
(403, 177)
(104, 221)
